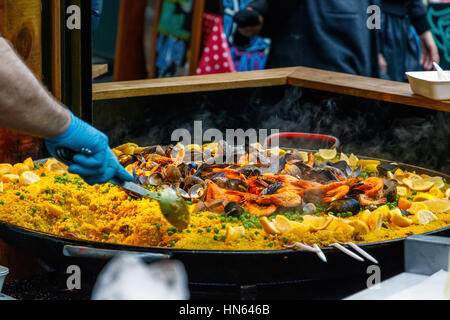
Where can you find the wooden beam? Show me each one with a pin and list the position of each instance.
(129, 63)
(347, 84)
(365, 87)
(139, 88)
(99, 70)
(56, 48)
(196, 35)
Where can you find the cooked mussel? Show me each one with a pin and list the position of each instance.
(197, 192)
(250, 171)
(309, 208)
(342, 166)
(273, 188)
(384, 168)
(126, 159)
(152, 150)
(191, 181)
(233, 209)
(344, 205)
(320, 175)
(173, 174)
(236, 185)
(155, 179)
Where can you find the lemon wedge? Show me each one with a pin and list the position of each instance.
(422, 196)
(353, 161)
(425, 217)
(117, 153)
(399, 220)
(438, 205)
(375, 220)
(34, 189)
(418, 184)
(371, 167)
(5, 168)
(402, 191)
(27, 178)
(447, 193)
(436, 192)
(269, 226)
(282, 223)
(316, 223)
(55, 166)
(20, 168)
(11, 177)
(345, 158)
(364, 215)
(194, 147)
(361, 228)
(328, 154)
(437, 181)
(364, 163)
(304, 156)
(384, 210)
(29, 163)
(416, 207)
(234, 233)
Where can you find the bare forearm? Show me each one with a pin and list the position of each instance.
(25, 105)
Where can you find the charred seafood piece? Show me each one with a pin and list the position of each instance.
(391, 190)
(126, 159)
(344, 206)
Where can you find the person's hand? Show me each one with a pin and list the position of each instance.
(430, 51)
(249, 24)
(98, 167)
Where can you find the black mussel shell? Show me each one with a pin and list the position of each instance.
(233, 209)
(385, 167)
(273, 188)
(344, 205)
(249, 171)
(236, 185)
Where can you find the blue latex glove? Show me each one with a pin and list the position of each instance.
(97, 168)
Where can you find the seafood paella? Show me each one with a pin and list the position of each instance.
(259, 199)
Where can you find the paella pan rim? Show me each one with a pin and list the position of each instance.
(125, 247)
(132, 248)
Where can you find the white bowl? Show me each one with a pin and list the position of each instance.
(428, 84)
(3, 273)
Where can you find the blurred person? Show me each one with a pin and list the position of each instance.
(406, 42)
(324, 34)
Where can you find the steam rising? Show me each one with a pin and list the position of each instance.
(365, 127)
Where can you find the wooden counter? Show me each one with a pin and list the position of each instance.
(371, 88)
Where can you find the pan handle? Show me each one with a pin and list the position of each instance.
(106, 254)
(334, 142)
